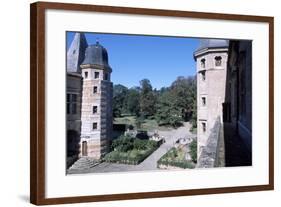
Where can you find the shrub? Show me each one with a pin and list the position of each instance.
(129, 150)
(123, 143)
(140, 144)
(193, 150)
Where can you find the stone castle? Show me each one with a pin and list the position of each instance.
(89, 99)
(224, 99)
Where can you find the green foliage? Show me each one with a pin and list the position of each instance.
(169, 105)
(132, 101)
(123, 143)
(175, 157)
(139, 121)
(193, 151)
(177, 103)
(129, 150)
(168, 113)
(184, 91)
(147, 99)
(119, 99)
(140, 144)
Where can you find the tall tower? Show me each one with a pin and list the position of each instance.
(211, 65)
(96, 111)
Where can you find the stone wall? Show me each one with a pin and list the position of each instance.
(211, 153)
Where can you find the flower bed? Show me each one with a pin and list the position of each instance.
(175, 157)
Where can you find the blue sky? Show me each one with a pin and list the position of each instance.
(135, 57)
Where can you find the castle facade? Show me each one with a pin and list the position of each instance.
(89, 99)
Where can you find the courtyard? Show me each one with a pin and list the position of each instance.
(150, 163)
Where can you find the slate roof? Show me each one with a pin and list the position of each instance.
(212, 43)
(96, 55)
(76, 52)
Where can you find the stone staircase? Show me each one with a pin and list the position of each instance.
(82, 165)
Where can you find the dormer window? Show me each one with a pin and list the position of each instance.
(218, 61)
(203, 63)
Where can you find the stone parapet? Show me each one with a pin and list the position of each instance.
(210, 154)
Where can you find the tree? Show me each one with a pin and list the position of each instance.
(168, 113)
(120, 94)
(147, 99)
(184, 90)
(177, 103)
(133, 99)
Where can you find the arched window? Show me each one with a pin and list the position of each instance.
(203, 63)
(218, 61)
(203, 75)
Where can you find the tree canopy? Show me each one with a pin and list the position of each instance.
(168, 105)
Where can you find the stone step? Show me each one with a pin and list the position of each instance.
(82, 166)
(83, 163)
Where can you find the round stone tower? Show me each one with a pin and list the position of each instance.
(211, 65)
(96, 109)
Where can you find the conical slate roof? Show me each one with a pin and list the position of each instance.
(76, 52)
(96, 55)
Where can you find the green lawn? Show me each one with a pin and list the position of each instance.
(147, 125)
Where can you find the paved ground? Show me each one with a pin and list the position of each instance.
(150, 163)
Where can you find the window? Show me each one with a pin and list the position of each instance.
(218, 61)
(68, 108)
(106, 76)
(203, 63)
(73, 108)
(203, 75)
(95, 89)
(97, 75)
(95, 109)
(74, 51)
(71, 103)
(203, 101)
(86, 74)
(74, 97)
(204, 127)
(95, 125)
